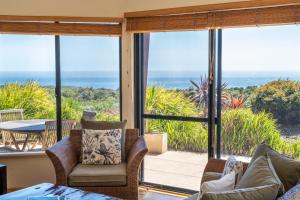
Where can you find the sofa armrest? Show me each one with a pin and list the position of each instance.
(135, 157)
(64, 159)
(217, 165)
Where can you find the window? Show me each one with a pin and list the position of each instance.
(90, 77)
(27, 82)
(262, 74)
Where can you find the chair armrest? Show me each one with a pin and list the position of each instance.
(136, 155)
(64, 158)
(215, 165)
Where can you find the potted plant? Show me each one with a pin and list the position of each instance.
(157, 142)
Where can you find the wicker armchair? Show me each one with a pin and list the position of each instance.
(65, 157)
(49, 136)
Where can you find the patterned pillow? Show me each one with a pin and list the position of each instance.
(232, 164)
(292, 194)
(101, 146)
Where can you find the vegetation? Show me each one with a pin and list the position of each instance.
(39, 102)
(246, 122)
(278, 97)
(189, 136)
(243, 130)
(35, 100)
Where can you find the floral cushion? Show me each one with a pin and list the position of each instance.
(101, 146)
(232, 164)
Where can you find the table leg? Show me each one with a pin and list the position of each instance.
(26, 141)
(14, 140)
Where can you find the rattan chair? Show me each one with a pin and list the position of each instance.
(49, 136)
(65, 156)
(11, 115)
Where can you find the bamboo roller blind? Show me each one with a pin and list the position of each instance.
(68, 26)
(286, 14)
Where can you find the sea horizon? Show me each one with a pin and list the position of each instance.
(170, 79)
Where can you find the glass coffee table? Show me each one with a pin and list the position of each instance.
(45, 189)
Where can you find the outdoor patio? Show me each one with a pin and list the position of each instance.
(178, 169)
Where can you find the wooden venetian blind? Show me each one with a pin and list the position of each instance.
(60, 25)
(239, 15)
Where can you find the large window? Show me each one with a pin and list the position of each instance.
(261, 71)
(90, 77)
(27, 82)
(33, 71)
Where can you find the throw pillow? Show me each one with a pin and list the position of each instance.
(292, 194)
(101, 146)
(287, 169)
(232, 164)
(106, 125)
(225, 183)
(260, 173)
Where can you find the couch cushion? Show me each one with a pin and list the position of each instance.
(98, 175)
(287, 169)
(260, 173)
(255, 193)
(106, 125)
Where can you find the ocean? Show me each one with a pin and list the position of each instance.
(172, 80)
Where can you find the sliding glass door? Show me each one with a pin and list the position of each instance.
(174, 105)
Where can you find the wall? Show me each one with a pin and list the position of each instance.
(27, 169)
(91, 8)
(78, 8)
(140, 5)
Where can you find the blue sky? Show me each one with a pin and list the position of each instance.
(247, 49)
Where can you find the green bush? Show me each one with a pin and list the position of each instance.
(281, 98)
(243, 130)
(34, 99)
(71, 109)
(188, 136)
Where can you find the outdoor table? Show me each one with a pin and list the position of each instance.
(27, 127)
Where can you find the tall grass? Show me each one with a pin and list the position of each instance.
(243, 130)
(188, 136)
(35, 100)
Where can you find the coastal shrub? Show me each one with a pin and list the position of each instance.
(71, 109)
(243, 130)
(281, 98)
(187, 136)
(34, 99)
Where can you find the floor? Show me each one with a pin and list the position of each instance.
(178, 169)
(175, 168)
(149, 194)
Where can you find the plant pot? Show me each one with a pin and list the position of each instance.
(157, 143)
